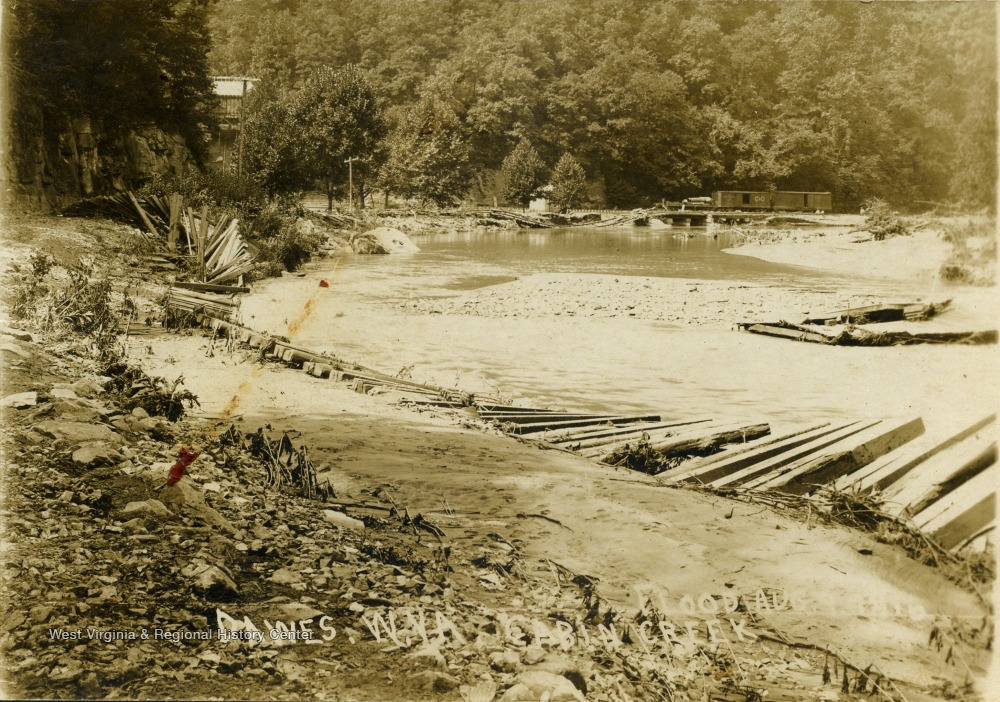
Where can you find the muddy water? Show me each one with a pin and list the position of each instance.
(611, 364)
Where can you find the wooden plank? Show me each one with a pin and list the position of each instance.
(728, 462)
(841, 458)
(782, 332)
(894, 465)
(962, 513)
(208, 287)
(582, 437)
(764, 467)
(739, 434)
(533, 418)
(940, 474)
(142, 214)
(618, 443)
(555, 424)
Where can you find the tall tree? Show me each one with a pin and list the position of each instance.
(523, 171)
(341, 118)
(568, 181)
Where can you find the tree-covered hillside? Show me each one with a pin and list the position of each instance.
(663, 99)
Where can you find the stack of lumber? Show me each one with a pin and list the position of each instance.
(184, 301)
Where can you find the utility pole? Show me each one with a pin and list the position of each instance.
(350, 182)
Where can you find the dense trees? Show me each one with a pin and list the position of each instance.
(294, 137)
(116, 62)
(659, 99)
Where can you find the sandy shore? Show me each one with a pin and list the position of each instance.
(914, 259)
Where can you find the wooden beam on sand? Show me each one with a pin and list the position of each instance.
(788, 333)
(727, 462)
(581, 438)
(532, 418)
(962, 513)
(765, 467)
(941, 474)
(557, 424)
(843, 457)
(894, 465)
(677, 446)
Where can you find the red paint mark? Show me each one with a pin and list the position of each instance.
(185, 458)
(324, 284)
(235, 400)
(296, 324)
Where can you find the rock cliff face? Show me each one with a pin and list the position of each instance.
(49, 171)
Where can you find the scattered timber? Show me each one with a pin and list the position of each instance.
(851, 336)
(844, 457)
(870, 314)
(520, 218)
(885, 471)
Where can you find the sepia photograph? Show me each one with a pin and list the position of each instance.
(498, 350)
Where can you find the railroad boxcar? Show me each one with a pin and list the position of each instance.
(778, 200)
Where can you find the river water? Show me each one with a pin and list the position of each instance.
(611, 364)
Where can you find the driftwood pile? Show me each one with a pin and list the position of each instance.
(219, 252)
(182, 303)
(851, 336)
(495, 217)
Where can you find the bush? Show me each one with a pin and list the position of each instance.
(973, 251)
(882, 222)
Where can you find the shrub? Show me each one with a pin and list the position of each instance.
(882, 221)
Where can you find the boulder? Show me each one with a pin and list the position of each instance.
(150, 508)
(533, 685)
(89, 387)
(75, 432)
(383, 240)
(21, 400)
(78, 409)
(97, 454)
(342, 520)
(64, 393)
(185, 498)
(211, 581)
(284, 576)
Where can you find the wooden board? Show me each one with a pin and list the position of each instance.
(557, 424)
(626, 434)
(784, 333)
(843, 457)
(962, 513)
(727, 463)
(799, 452)
(581, 437)
(940, 474)
(894, 465)
(687, 444)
